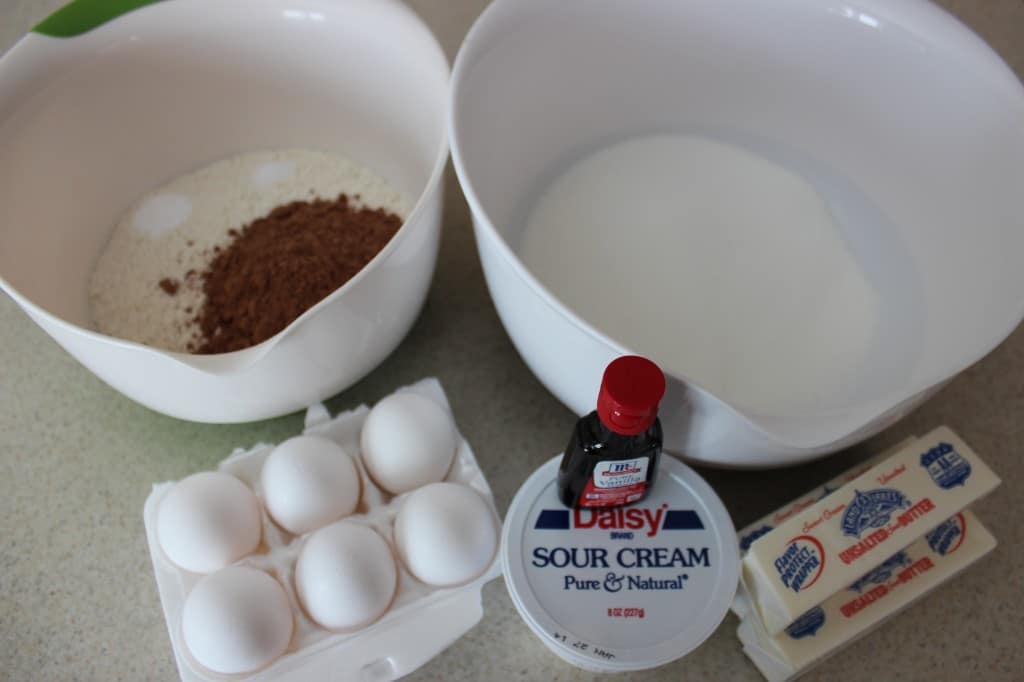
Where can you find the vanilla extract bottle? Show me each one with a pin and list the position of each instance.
(612, 456)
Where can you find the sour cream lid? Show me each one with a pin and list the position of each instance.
(621, 589)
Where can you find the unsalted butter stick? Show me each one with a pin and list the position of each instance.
(773, 669)
(865, 604)
(781, 515)
(747, 536)
(832, 543)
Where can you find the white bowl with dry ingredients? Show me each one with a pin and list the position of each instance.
(226, 219)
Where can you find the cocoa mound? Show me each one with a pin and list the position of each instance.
(281, 265)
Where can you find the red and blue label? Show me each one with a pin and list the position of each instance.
(616, 482)
(801, 563)
(621, 522)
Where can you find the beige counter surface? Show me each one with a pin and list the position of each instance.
(77, 594)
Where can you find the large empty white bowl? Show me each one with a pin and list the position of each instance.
(92, 120)
(902, 119)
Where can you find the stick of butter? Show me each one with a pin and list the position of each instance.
(830, 544)
(747, 536)
(875, 597)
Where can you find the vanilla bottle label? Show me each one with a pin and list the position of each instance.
(616, 482)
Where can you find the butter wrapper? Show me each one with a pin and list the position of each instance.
(829, 545)
(764, 525)
(888, 589)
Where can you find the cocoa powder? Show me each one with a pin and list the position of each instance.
(170, 286)
(279, 266)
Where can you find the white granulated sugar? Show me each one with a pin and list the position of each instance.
(172, 232)
(725, 266)
(162, 213)
(272, 173)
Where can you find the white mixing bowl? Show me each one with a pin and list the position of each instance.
(97, 110)
(906, 123)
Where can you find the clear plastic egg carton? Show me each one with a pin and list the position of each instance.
(421, 621)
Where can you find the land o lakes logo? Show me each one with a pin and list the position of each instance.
(808, 624)
(801, 563)
(872, 509)
(883, 572)
(747, 540)
(946, 466)
(948, 536)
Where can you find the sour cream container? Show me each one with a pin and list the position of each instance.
(628, 588)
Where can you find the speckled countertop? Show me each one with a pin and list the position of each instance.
(77, 594)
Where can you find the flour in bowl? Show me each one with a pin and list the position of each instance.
(723, 266)
(147, 284)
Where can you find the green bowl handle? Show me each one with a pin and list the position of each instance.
(79, 16)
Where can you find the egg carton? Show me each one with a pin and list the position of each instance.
(420, 623)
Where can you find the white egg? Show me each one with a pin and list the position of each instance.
(345, 576)
(408, 441)
(207, 521)
(446, 534)
(309, 482)
(237, 620)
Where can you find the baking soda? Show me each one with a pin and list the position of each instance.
(169, 237)
(725, 267)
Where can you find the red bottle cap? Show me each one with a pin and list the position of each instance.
(631, 389)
